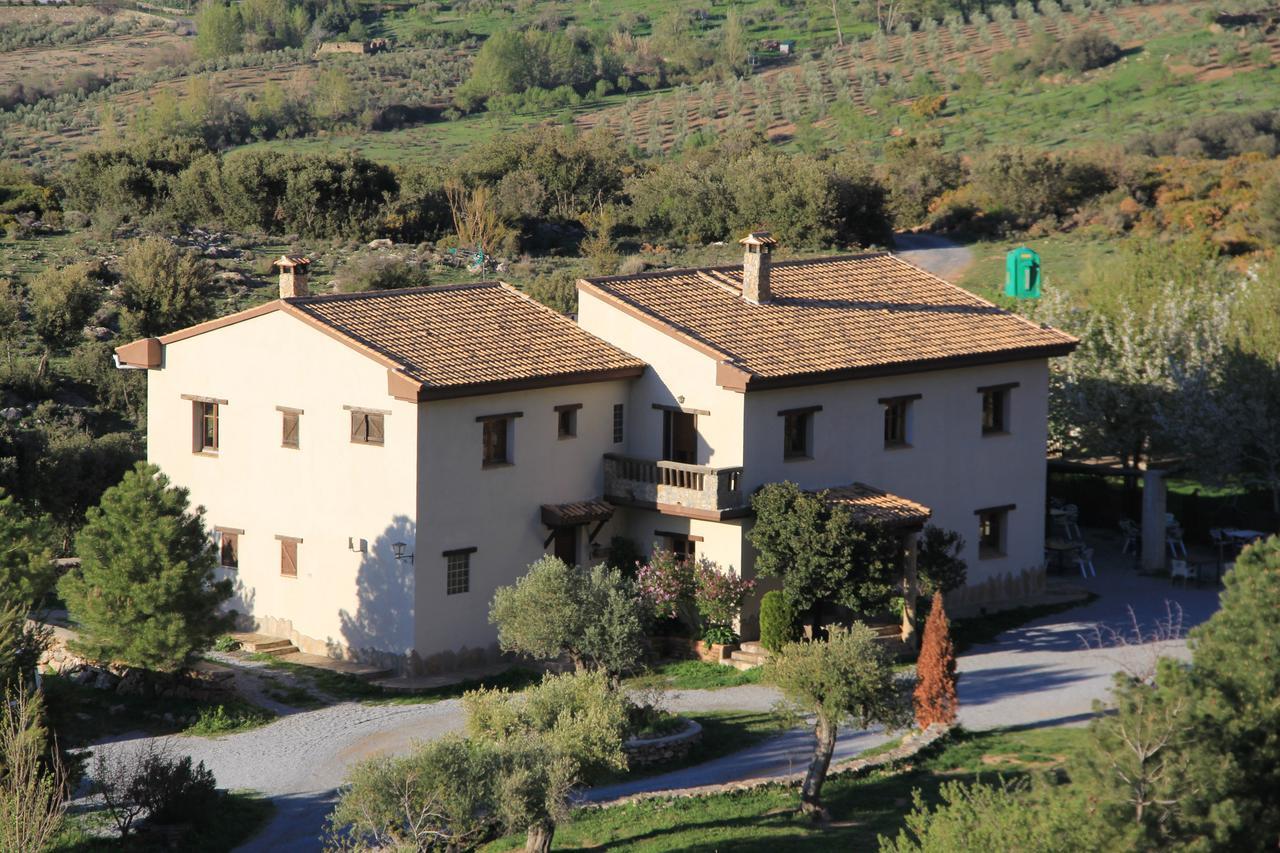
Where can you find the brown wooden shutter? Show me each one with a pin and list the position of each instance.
(358, 430)
(290, 426)
(289, 558)
(375, 428)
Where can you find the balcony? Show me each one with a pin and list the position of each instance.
(675, 487)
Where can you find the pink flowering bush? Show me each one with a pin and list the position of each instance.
(719, 596)
(666, 583)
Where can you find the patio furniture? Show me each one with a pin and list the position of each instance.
(1085, 559)
(1242, 537)
(1071, 521)
(1180, 569)
(1173, 536)
(1060, 551)
(1132, 535)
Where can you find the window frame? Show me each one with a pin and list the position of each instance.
(997, 518)
(288, 555)
(798, 421)
(362, 426)
(1003, 394)
(457, 564)
(567, 420)
(619, 423)
(220, 541)
(205, 411)
(508, 440)
(287, 414)
(903, 435)
(683, 546)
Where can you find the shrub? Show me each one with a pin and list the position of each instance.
(935, 694)
(777, 622)
(719, 596)
(137, 780)
(162, 288)
(1084, 51)
(32, 797)
(667, 584)
(365, 272)
(27, 570)
(938, 564)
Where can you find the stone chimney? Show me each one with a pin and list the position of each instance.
(757, 246)
(293, 276)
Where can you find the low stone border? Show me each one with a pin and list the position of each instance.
(913, 745)
(646, 752)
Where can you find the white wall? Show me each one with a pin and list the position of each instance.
(497, 510)
(324, 492)
(950, 467)
(675, 370)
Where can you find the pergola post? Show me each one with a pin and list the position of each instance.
(1154, 528)
(910, 588)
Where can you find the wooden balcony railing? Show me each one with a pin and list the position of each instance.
(651, 481)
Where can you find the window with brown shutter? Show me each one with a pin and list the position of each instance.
(289, 423)
(496, 438)
(227, 542)
(366, 427)
(288, 556)
(205, 426)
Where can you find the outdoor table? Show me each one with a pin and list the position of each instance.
(1062, 549)
(1245, 536)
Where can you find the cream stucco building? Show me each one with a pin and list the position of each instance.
(375, 465)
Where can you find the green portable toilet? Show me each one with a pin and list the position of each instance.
(1022, 274)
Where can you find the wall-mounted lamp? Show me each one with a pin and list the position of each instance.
(397, 548)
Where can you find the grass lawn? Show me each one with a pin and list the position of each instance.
(349, 688)
(237, 818)
(764, 819)
(696, 675)
(81, 715)
(723, 733)
(1065, 259)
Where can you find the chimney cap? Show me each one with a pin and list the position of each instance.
(289, 262)
(759, 238)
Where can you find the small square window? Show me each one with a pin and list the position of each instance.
(567, 421)
(992, 525)
(228, 544)
(289, 424)
(617, 423)
(366, 427)
(289, 557)
(497, 445)
(457, 572)
(205, 426)
(797, 434)
(896, 414)
(995, 411)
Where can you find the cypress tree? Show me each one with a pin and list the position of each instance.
(935, 694)
(145, 594)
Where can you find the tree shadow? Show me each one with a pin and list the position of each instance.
(383, 622)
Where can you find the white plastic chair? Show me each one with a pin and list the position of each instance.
(1180, 569)
(1131, 534)
(1173, 536)
(1084, 558)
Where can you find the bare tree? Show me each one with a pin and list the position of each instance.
(32, 794)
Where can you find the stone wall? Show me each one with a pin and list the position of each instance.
(646, 752)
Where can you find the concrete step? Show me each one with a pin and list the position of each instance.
(753, 647)
(265, 644)
(747, 659)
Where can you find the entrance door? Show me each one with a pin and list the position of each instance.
(679, 437)
(566, 545)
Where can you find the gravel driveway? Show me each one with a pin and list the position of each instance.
(1042, 673)
(941, 256)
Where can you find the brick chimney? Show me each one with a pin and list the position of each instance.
(757, 246)
(293, 276)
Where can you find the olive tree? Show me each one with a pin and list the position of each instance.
(593, 616)
(846, 678)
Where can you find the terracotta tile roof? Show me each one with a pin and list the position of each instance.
(872, 504)
(578, 512)
(463, 337)
(854, 315)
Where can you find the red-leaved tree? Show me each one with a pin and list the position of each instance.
(935, 695)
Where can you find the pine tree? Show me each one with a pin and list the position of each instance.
(26, 566)
(935, 695)
(145, 594)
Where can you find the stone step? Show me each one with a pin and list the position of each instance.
(278, 651)
(265, 644)
(753, 647)
(741, 665)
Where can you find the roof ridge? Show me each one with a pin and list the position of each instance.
(398, 291)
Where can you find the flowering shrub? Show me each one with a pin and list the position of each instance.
(719, 596)
(665, 583)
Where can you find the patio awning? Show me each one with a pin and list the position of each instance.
(574, 514)
(867, 503)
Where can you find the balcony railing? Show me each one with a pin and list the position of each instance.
(648, 481)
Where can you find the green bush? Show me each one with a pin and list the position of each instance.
(777, 622)
(1084, 51)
